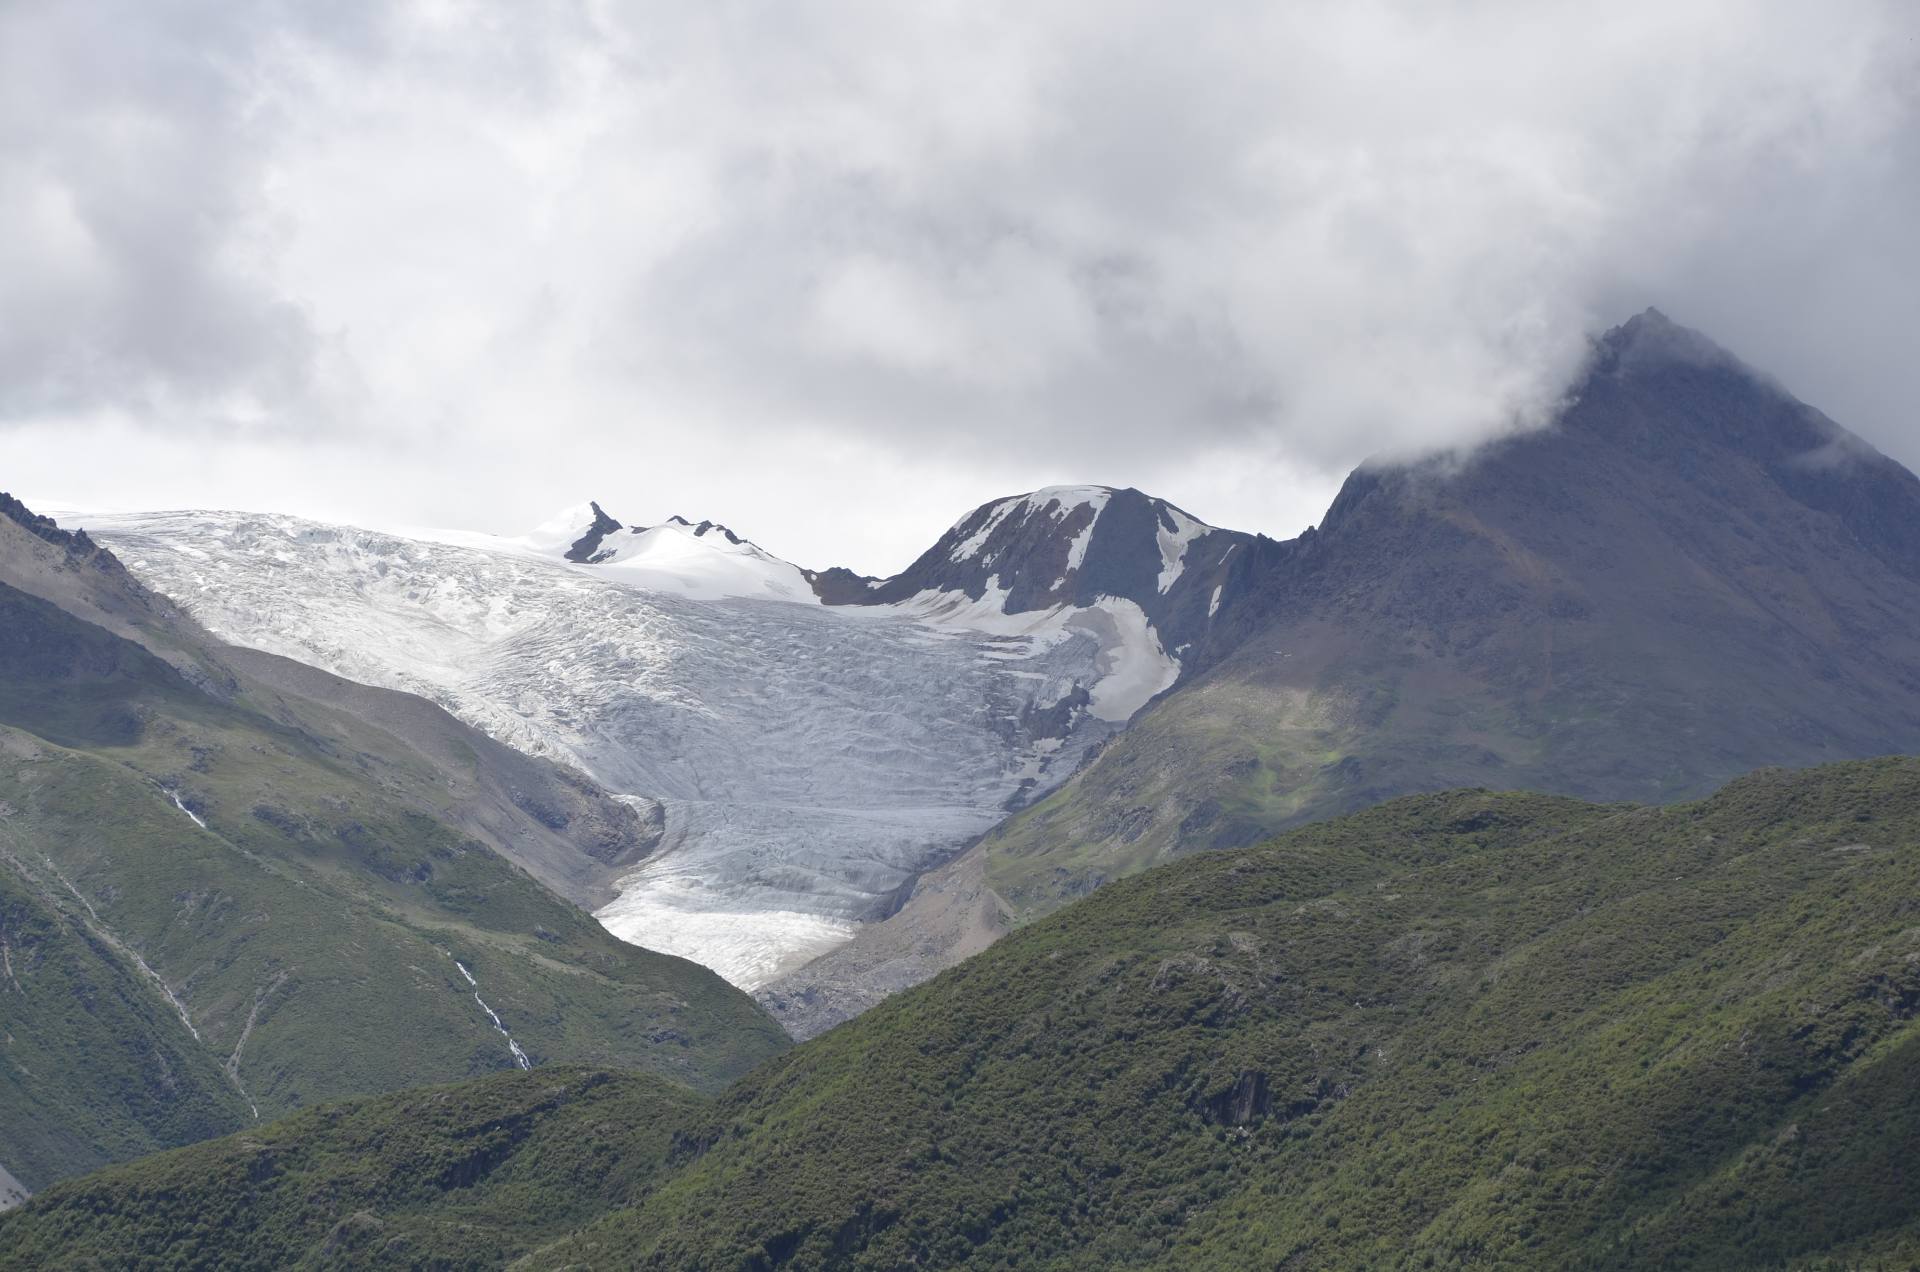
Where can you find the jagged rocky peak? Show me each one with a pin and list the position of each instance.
(1060, 545)
(1661, 397)
(589, 535)
(575, 533)
(79, 547)
(702, 529)
(586, 549)
(1652, 335)
(1069, 547)
(1667, 395)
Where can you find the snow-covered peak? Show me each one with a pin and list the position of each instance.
(703, 560)
(701, 530)
(1150, 575)
(1013, 542)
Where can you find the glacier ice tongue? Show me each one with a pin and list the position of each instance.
(811, 760)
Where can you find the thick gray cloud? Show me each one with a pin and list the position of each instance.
(834, 272)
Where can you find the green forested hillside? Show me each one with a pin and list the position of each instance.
(1456, 1030)
(444, 1177)
(98, 1066)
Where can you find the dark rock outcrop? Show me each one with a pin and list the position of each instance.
(586, 549)
(1073, 546)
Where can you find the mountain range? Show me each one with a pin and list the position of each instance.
(297, 811)
(1687, 575)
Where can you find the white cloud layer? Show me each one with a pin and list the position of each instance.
(835, 272)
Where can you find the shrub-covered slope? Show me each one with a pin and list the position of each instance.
(447, 1177)
(98, 1067)
(1464, 1029)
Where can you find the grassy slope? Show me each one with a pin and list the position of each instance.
(311, 929)
(97, 1067)
(1252, 758)
(447, 1177)
(1459, 1029)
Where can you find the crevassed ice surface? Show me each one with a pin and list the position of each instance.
(810, 760)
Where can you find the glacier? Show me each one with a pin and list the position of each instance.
(810, 761)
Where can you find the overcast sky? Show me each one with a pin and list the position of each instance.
(835, 272)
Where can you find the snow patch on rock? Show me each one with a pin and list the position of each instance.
(181, 805)
(1173, 543)
(965, 549)
(12, 1191)
(1134, 668)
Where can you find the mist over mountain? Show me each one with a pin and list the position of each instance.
(1687, 575)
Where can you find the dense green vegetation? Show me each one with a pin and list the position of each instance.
(445, 1177)
(1456, 1030)
(283, 871)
